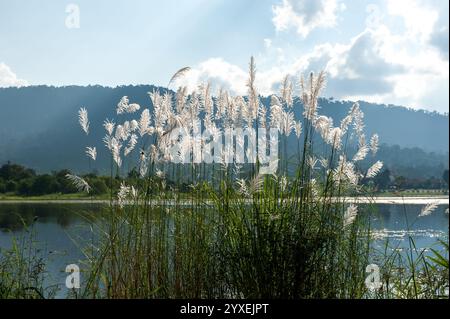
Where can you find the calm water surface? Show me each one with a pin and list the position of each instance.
(61, 231)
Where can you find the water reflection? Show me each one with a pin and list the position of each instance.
(16, 217)
(62, 230)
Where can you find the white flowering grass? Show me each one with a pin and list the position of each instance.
(226, 229)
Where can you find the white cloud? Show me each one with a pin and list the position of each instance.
(439, 39)
(405, 65)
(217, 71)
(306, 15)
(419, 17)
(9, 78)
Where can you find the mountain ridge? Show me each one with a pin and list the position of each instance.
(37, 123)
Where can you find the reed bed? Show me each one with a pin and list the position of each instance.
(239, 233)
(277, 229)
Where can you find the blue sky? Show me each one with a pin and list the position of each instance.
(389, 51)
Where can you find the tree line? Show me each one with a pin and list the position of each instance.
(18, 180)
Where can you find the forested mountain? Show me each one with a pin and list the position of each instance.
(39, 128)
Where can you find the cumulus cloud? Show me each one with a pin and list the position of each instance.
(405, 66)
(217, 71)
(305, 15)
(9, 78)
(419, 17)
(439, 39)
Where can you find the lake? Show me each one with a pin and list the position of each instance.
(60, 231)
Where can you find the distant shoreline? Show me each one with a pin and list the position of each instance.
(409, 200)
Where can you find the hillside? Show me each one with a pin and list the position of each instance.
(39, 128)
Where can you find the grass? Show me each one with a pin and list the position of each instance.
(243, 234)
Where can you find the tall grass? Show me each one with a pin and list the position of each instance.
(238, 233)
(22, 269)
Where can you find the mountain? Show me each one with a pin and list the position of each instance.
(39, 126)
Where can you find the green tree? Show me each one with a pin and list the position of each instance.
(99, 187)
(25, 187)
(44, 184)
(15, 172)
(383, 180)
(445, 176)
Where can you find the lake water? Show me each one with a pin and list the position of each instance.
(61, 230)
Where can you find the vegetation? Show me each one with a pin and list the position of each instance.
(18, 182)
(242, 232)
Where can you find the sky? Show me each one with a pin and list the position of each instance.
(382, 51)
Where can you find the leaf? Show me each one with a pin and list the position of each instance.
(438, 259)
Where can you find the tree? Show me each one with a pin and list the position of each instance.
(44, 184)
(14, 172)
(2, 186)
(99, 186)
(383, 180)
(445, 176)
(25, 186)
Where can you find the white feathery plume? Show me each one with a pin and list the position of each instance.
(262, 116)
(347, 170)
(160, 174)
(122, 195)
(253, 97)
(134, 125)
(83, 120)
(143, 164)
(134, 107)
(286, 91)
(287, 123)
(374, 169)
(121, 133)
(298, 129)
(324, 125)
(362, 140)
(181, 72)
(283, 183)
(144, 122)
(256, 184)
(131, 144)
(122, 106)
(115, 147)
(374, 142)
(109, 126)
(276, 113)
(350, 215)
(345, 123)
(91, 152)
(310, 94)
(79, 183)
(180, 98)
(358, 122)
(428, 209)
(314, 188)
(335, 138)
(361, 154)
(243, 189)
